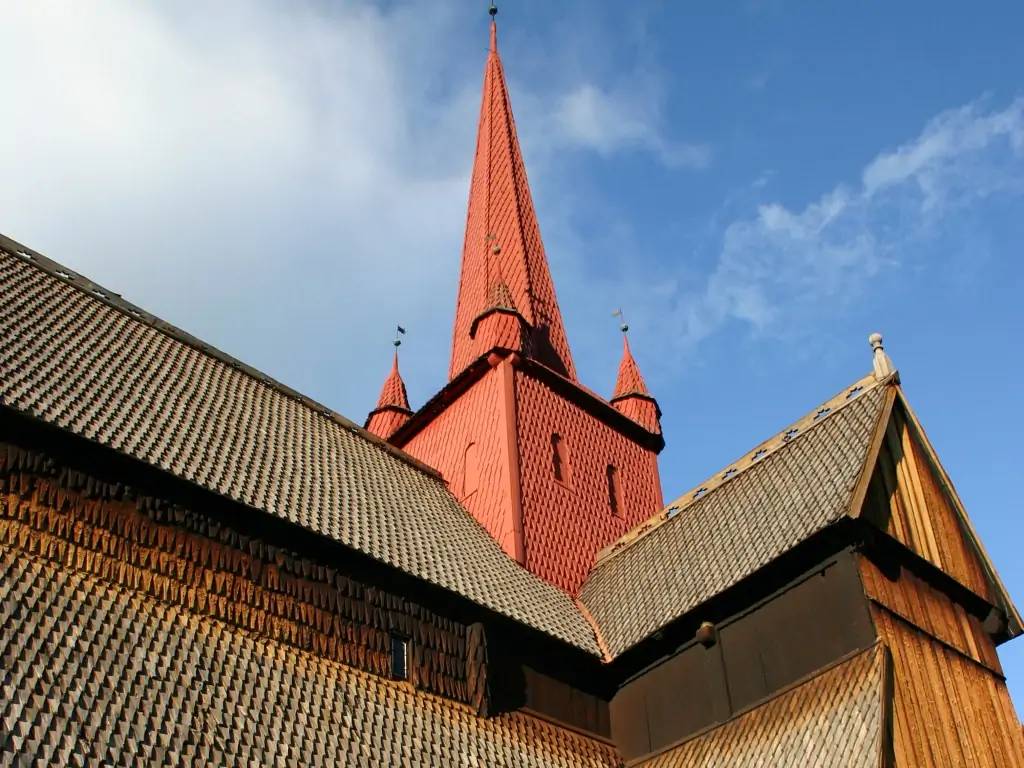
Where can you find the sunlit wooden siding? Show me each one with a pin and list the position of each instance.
(924, 606)
(906, 498)
(951, 707)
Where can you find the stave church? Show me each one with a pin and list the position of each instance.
(202, 566)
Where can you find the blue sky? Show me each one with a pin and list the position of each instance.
(758, 185)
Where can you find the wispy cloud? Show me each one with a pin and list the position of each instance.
(278, 163)
(782, 266)
(258, 169)
(612, 121)
(302, 166)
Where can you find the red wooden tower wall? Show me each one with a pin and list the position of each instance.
(566, 524)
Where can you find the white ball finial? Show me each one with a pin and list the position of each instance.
(882, 364)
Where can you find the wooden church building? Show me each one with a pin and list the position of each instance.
(201, 566)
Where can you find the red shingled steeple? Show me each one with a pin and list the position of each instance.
(392, 409)
(631, 397)
(553, 471)
(502, 241)
(629, 380)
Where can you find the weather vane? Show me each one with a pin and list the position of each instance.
(399, 333)
(622, 320)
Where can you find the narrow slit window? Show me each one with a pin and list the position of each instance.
(399, 657)
(471, 470)
(559, 462)
(614, 491)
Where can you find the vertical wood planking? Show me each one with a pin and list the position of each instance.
(915, 509)
(952, 707)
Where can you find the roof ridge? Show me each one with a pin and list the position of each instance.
(756, 455)
(135, 313)
(606, 652)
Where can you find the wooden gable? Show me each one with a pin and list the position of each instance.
(910, 497)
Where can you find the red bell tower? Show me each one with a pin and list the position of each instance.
(552, 470)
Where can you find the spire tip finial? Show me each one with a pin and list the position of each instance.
(623, 325)
(399, 333)
(493, 11)
(881, 361)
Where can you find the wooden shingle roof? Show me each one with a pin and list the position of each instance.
(94, 674)
(737, 522)
(78, 357)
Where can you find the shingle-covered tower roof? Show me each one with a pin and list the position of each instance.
(392, 409)
(631, 397)
(502, 240)
(629, 381)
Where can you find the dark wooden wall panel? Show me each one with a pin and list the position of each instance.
(811, 623)
(555, 699)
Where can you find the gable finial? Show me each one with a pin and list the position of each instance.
(623, 326)
(493, 10)
(882, 362)
(399, 333)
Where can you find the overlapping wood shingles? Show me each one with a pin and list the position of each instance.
(732, 531)
(99, 675)
(77, 361)
(502, 240)
(837, 718)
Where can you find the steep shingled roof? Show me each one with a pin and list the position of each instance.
(98, 675)
(392, 406)
(737, 522)
(78, 357)
(393, 393)
(502, 240)
(837, 717)
(629, 381)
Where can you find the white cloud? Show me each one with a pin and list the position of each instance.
(612, 121)
(781, 268)
(948, 159)
(278, 163)
(251, 169)
(290, 180)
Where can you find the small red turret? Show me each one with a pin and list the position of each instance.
(392, 409)
(631, 397)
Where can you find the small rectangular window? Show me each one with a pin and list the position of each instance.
(559, 459)
(399, 657)
(614, 491)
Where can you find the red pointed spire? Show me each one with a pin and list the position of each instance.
(629, 381)
(502, 240)
(631, 397)
(392, 409)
